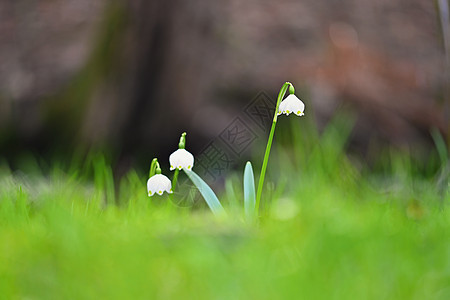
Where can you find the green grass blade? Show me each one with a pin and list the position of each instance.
(104, 179)
(249, 190)
(207, 193)
(440, 146)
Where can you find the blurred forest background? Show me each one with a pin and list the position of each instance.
(128, 77)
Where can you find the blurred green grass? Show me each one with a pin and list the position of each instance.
(330, 229)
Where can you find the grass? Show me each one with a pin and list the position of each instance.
(329, 230)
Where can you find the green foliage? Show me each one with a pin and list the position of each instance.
(330, 230)
(249, 191)
(207, 193)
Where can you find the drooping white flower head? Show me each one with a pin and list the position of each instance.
(291, 104)
(181, 159)
(159, 183)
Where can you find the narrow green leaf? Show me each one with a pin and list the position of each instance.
(207, 193)
(249, 190)
(440, 145)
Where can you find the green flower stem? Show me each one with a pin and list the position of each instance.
(181, 145)
(158, 168)
(175, 179)
(269, 142)
(174, 183)
(153, 167)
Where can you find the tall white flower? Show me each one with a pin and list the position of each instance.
(291, 104)
(159, 183)
(181, 159)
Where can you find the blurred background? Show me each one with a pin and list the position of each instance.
(127, 77)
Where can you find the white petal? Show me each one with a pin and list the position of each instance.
(292, 104)
(169, 187)
(151, 186)
(158, 184)
(296, 105)
(181, 159)
(281, 108)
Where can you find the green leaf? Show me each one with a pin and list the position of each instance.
(207, 193)
(440, 145)
(249, 190)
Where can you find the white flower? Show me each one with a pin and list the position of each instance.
(291, 105)
(181, 159)
(159, 183)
